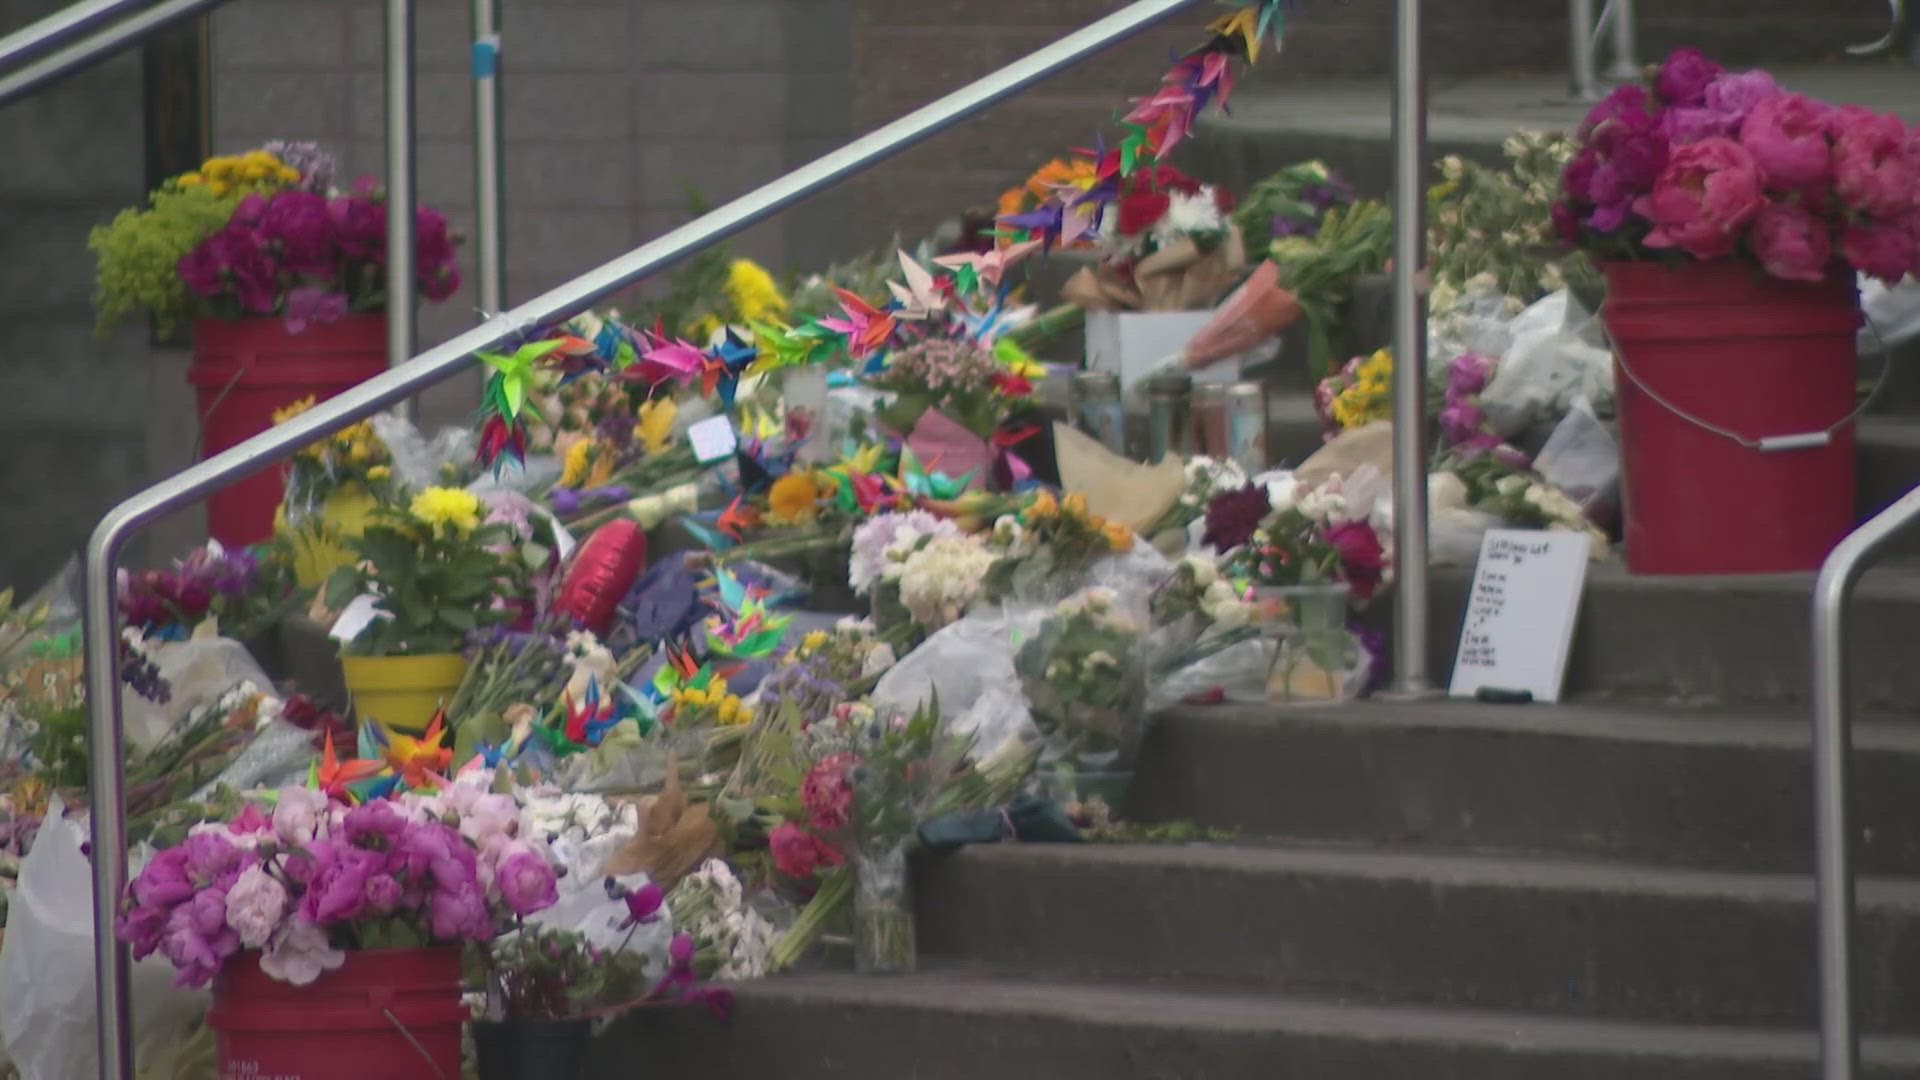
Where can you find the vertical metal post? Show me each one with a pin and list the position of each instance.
(489, 218)
(402, 287)
(1409, 355)
(1626, 64)
(107, 810)
(1833, 835)
(1586, 82)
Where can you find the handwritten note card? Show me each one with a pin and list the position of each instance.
(713, 440)
(1519, 624)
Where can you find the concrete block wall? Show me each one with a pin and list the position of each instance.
(907, 54)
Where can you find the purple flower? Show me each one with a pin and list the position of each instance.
(375, 821)
(383, 894)
(298, 225)
(314, 165)
(1460, 420)
(1684, 77)
(234, 260)
(1469, 374)
(1232, 516)
(310, 304)
(436, 272)
(197, 939)
(338, 891)
(643, 903)
(212, 859)
(164, 882)
(1727, 102)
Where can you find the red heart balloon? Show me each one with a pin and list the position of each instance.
(602, 571)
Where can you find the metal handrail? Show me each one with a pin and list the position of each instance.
(56, 29)
(107, 782)
(1615, 16)
(83, 54)
(1832, 748)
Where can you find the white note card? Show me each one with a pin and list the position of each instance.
(713, 440)
(359, 614)
(1520, 612)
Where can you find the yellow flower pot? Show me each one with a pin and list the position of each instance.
(319, 543)
(402, 692)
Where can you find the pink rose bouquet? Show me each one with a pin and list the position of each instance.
(1717, 164)
(317, 879)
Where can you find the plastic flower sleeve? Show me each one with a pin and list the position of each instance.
(46, 967)
(1084, 674)
(1557, 355)
(418, 461)
(969, 667)
(1582, 459)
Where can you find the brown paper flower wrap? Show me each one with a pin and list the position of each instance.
(1183, 276)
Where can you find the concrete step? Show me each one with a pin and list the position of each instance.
(1709, 639)
(1663, 787)
(1600, 940)
(964, 1025)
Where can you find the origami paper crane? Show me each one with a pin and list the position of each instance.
(513, 374)
(335, 777)
(916, 480)
(723, 365)
(974, 269)
(589, 720)
(867, 328)
(418, 761)
(666, 361)
(923, 296)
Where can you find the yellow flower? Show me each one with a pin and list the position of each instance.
(192, 179)
(455, 508)
(379, 472)
(1075, 506)
(656, 423)
(1042, 507)
(814, 642)
(752, 292)
(288, 412)
(793, 499)
(1119, 537)
(702, 329)
(573, 468)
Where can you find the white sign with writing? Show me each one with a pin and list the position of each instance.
(713, 440)
(1519, 624)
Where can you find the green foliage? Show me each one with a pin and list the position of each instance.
(1494, 227)
(439, 583)
(539, 973)
(139, 255)
(1320, 271)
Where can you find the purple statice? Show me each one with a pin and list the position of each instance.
(315, 166)
(808, 685)
(141, 675)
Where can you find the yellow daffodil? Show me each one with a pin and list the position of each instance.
(455, 509)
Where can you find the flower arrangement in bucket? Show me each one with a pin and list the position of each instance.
(276, 268)
(1730, 216)
(296, 910)
(434, 572)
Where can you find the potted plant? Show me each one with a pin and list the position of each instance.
(283, 278)
(545, 989)
(333, 487)
(1730, 217)
(426, 576)
(333, 934)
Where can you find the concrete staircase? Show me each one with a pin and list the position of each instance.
(1610, 889)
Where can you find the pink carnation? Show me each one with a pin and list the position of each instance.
(1709, 192)
(1885, 251)
(1791, 243)
(1787, 136)
(1872, 170)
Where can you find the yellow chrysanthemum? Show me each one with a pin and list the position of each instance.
(793, 500)
(752, 292)
(814, 641)
(379, 472)
(192, 179)
(455, 509)
(573, 466)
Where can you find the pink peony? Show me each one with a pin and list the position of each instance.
(1684, 77)
(798, 853)
(1791, 243)
(1885, 251)
(1469, 373)
(525, 879)
(298, 814)
(827, 792)
(1787, 136)
(1710, 191)
(255, 905)
(298, 226)
(1873, 172)
(1723, 108)
(300, 953)
(460, 914)
(198, 940)
(310, 304)
(360, 227)
(1460, 421)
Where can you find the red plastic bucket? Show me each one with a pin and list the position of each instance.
(386, 1014)
(245, 369)
(1720, 345)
